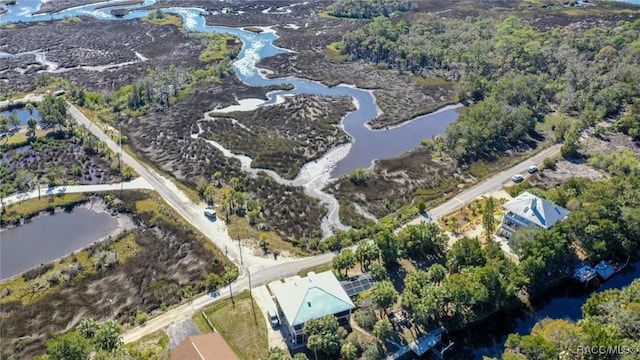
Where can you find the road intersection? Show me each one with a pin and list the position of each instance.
(262, 270)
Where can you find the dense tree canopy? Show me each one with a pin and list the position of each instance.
(368, 8)
(323, 335)
(53, 110)
(101, 338)
(610, 318)
(512, 73)
(423, 240)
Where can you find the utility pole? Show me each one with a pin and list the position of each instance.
(110, 301)
(120, 159)
(251, 297)
(233, 302)
(239, 247)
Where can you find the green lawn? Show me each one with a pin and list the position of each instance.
(28, 208)
(316, 269)
(246, 336)
(152, 346)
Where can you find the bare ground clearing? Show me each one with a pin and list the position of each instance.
(566, 170)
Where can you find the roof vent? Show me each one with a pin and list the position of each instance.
(309, 303)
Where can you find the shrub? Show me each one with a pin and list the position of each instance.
(366, 318)
(549, 163)
(362, 177)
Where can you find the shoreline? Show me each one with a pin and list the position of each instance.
(124, 223)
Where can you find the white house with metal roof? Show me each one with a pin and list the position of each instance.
(301, 299)
(527, 209)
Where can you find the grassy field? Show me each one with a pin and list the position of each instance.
(27, 289)
(316, 269)
(21, 138)
(167, 19)
(247, 337)
(29, 208)
(152, 346)
(332, 51)
(217, 47)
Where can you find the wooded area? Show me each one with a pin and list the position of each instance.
(510, 74)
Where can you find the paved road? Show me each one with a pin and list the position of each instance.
(138, 183)
(261, 270)
(193, 213)
(259, 278)
(494, 183)
(289, 269)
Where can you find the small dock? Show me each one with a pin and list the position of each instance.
(604, 269)
(428, 342)
(585, 273)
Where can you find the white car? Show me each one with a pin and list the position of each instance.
(211, 213)
(532, 169)
(517, 178)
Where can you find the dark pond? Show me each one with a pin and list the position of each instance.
(47, 238)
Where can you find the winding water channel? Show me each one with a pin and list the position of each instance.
(367, 145)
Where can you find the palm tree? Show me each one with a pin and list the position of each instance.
(32, 123)
(4, 124)
(208, 193)
(30, 108)
(14, 120)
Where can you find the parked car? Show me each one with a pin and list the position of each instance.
(273, 318)
(210, 213)
(532, 169)
(517, 178)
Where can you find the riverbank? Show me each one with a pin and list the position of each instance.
(564, 300)
(78, 225)
(147, 270)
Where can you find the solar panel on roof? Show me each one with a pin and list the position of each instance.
(357, 285)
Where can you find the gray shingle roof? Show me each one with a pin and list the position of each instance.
(536, 210)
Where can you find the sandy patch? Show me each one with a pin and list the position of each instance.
(243, 105)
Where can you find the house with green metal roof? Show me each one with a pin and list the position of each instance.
(301, 299)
